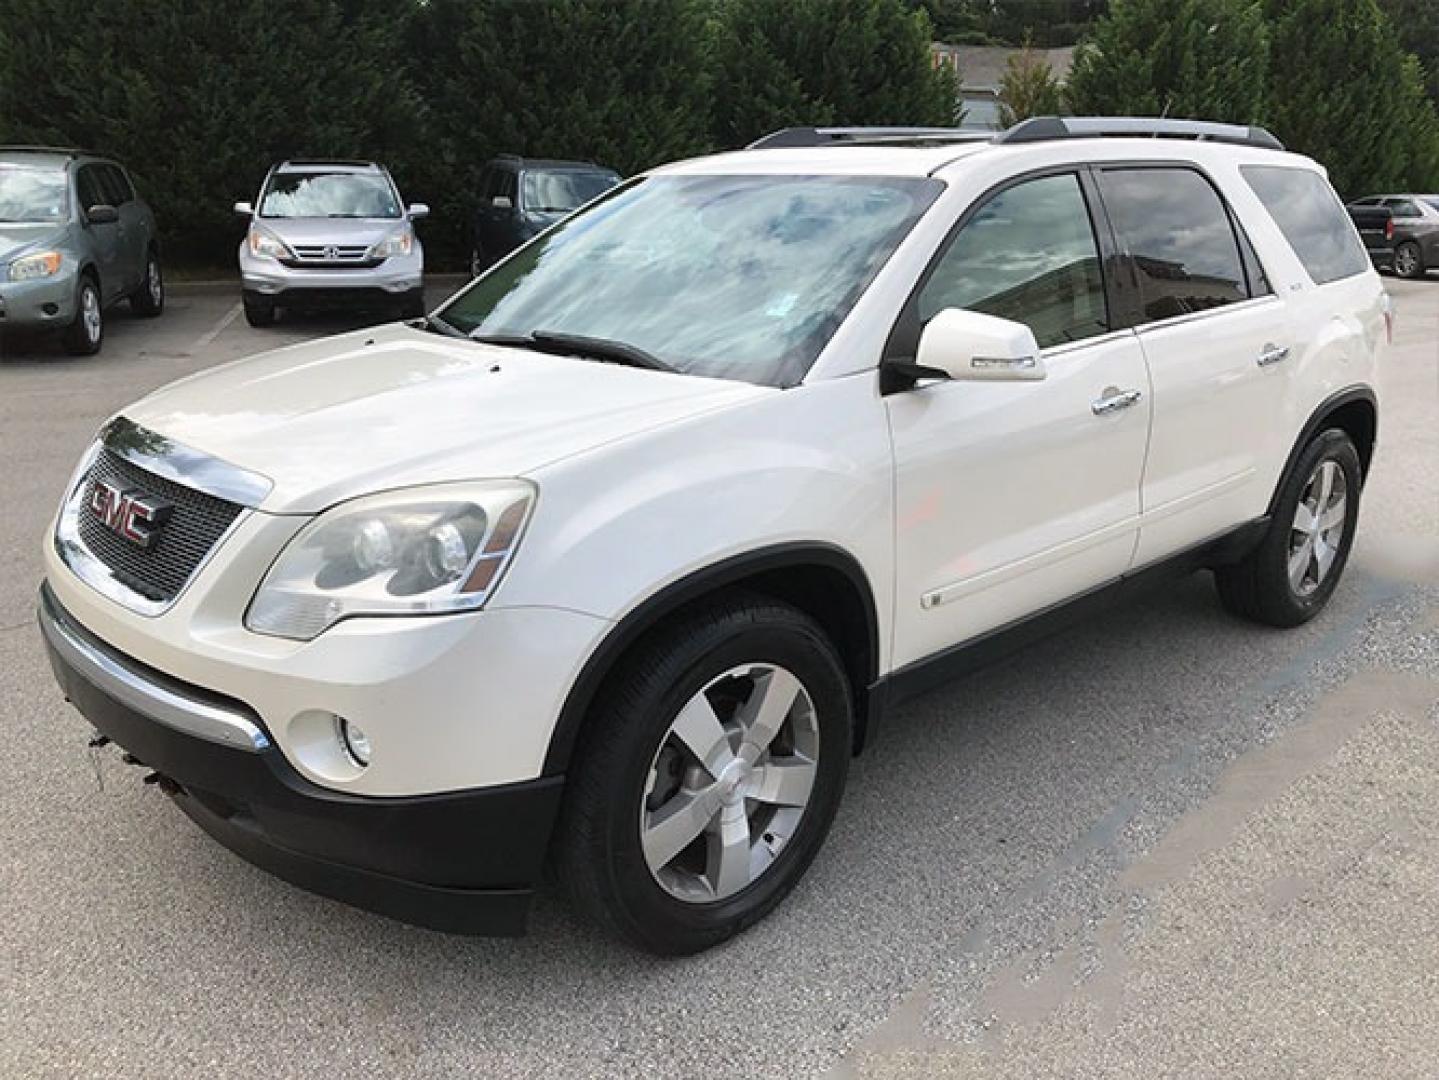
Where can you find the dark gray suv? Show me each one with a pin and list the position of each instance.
(74, 240)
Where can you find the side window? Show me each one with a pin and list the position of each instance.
(489, 184)
(119, 185)
(1253, 268)
(1312, 219)
(1179, 239)
(1404, 208)
(509, 185)
(88, 188)
(1029, 255)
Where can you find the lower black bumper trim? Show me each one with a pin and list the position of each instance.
(459, 861)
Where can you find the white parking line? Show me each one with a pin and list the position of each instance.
(218, 329)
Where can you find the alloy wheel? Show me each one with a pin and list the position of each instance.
(730, 782)
(90, 313)
(1317, 532)
(1406, 261)
(154, 284)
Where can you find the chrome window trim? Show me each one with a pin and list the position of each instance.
(1208, 313)
(175, 461)
(113, 677)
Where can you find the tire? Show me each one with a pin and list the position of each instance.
(86, 332)
(705, 673)
(148, 300)
(1262, 588)
(413, 306)
(1409, 260)
(259, 312)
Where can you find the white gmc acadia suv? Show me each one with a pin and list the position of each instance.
(616, 559)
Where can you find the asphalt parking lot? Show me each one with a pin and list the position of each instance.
(1163, 844)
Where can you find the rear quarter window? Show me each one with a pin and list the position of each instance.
(1312, 219)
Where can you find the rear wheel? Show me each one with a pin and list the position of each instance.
(259, 311)
(708, 776)
(1290, 576)
(1409, 260)
(86, 333)
(149, 299)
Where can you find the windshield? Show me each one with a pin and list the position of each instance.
(734, 277)
(329, 195)
(558, 191)
(1432, 200)
(32, 195)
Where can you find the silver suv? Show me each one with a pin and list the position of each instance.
(330, 233)
(74, 239)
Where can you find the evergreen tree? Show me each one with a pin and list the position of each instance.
(199, 97)
(778, 64)
(1028, 88)
(1344, 91)
(1205, 59)
(1416, 23)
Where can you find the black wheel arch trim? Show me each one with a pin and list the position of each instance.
(1316, 423)
(732, 571)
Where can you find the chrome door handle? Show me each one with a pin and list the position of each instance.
(1273, 354)
(1114, 400)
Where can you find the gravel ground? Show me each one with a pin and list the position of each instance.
(1163, 844)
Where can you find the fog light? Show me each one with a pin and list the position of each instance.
(356, 743)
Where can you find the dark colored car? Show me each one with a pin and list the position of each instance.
(520, 197)
(1376, 226)
(1416, 231)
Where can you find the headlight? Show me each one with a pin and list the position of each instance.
(397, 243)
(420, 551)
(265, 245)
(41, 264)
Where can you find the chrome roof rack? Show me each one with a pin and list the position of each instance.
(796, 137)
(1045, 128)
(59, 151)
(1039, 129)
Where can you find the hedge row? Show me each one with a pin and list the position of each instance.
(198, 97)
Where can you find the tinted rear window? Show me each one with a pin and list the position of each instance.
(1179, 238)
(1312, 219)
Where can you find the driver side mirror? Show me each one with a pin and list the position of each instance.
(418, 210)
(973, 347)
(502, 202)
(244, 210)
(102, 214)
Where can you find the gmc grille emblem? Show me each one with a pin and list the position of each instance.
(129, 514)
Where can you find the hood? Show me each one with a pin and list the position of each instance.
(342, 232)
(15, 236)
(392, 406)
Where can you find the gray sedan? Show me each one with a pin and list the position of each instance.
(74, 240)
(1416, 231)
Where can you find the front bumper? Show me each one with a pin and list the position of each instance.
(394, 279)
(38, 303)
(462, 861)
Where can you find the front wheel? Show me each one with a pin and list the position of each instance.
(259, 312)
(149, 300)
(1293, 572)
(85, 335)
(707, 776)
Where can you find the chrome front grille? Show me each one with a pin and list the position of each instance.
(194, 527)
(144, 513)
(332, 256)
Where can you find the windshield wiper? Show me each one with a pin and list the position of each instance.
(593, 348)
(436, 325)
(601, 349)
